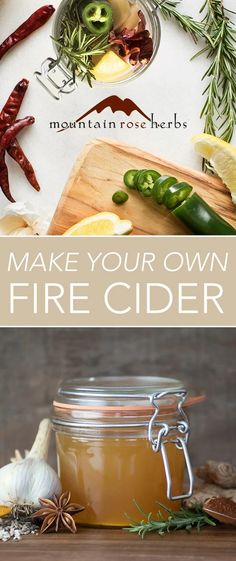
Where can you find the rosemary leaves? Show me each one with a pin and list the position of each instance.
(184, 519)
(219, 110)
(78, 47)
(168, 9)
(219, 33)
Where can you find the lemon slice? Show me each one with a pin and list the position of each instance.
(101, 224)
(110, 67)
(222, 157)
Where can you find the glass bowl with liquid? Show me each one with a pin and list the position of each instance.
(120, 440)
(130, 72)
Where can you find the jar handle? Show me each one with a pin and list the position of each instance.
(159, 442)
(55, 79)
(180, 443)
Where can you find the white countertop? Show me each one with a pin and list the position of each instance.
(171, 85)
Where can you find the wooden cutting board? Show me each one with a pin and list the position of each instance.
(98, 173)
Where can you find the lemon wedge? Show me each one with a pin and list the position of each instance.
(222, 157)
(110, 67)
(101, 224)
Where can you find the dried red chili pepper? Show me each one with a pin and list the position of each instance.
(36, 20)
(135, 45)
(7, 117)
(7, 120)
(4, 180)
(142, 21)
(16, 152)
(12, 105)
(13, 131)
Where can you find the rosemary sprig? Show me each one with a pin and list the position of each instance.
(219, 109)
(219, 32)
(77, 47)
(184, 519)
(168, 9)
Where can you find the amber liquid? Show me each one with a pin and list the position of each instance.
(106, 475)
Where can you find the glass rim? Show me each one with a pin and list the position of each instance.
(115, 387)
(125, 395)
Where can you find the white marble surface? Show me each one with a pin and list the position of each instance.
(171, 84)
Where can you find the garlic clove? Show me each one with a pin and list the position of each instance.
(20, 219)
(41, 444)
(18, 456)
(9, 224)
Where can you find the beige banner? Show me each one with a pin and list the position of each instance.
(118, 281)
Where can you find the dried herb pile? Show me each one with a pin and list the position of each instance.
(55, 514)
(15, 528)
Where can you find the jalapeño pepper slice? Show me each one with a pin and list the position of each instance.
(97, 16)
(176, 194)
(120, 197)
(145, 181)
(160, 187)
(129, 178)
(137, 176)
(201, 219)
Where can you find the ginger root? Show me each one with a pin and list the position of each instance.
(220, 473)
(206, 491)
(219, 480)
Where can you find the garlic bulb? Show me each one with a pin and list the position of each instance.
(20, 219)
(25, 481)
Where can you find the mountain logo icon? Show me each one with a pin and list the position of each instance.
(116, 104)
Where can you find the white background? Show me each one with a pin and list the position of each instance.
(171, 84)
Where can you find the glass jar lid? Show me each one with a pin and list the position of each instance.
(115, 391)
(121, 394)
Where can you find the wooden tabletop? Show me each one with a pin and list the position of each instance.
(210, 544)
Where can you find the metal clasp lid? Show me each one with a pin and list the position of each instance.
(159, 442)
(55, 79)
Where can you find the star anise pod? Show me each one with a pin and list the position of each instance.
(58, 512)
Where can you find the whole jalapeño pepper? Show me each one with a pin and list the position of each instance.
(201, 219)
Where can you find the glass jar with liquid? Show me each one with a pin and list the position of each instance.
(120, 441)
(57, 78)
